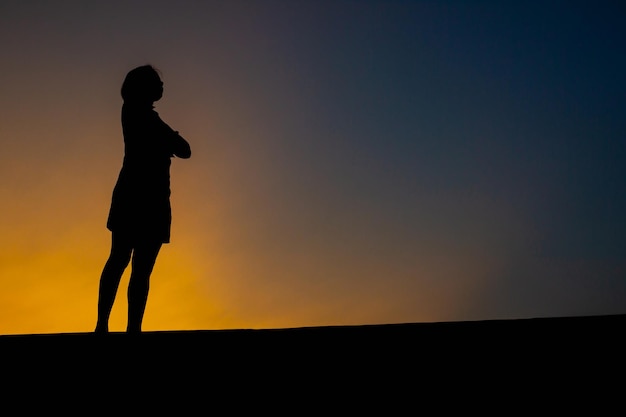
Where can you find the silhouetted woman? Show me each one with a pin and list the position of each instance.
(140, 214)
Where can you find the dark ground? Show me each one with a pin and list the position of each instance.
(549, 365)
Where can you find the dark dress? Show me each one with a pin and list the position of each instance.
(140, 206)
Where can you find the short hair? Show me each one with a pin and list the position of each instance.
(139, 84)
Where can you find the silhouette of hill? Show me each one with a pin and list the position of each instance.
(348, 368)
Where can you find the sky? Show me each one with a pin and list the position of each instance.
(353, 162)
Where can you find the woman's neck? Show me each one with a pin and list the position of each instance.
(140, 103)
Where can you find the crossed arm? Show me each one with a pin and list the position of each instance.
(180, 147)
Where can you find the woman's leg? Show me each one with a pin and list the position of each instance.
(119, 257)
(144, 257)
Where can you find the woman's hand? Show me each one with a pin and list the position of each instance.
(180, 147)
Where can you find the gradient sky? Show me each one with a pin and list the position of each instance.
(354, 162)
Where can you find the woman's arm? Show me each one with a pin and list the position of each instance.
(176, 144)
(180, 147)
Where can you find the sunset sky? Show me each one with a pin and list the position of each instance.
(353, 162)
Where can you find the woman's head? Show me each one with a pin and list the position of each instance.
(142, 84)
